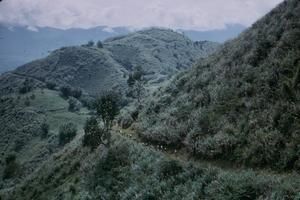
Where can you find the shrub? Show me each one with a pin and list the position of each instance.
(27, 102)
(50, 85)
(125, 120)
(26, 87)
(169, 168)
(99, 44)
(66, 133)
(87, 101)
(107, 172)
(66, 91)
(12, 167)
(19, 144)
(44, 129)
(74, 104)
(235, 186)
(76, 93)
(90, 43)
(93, 134)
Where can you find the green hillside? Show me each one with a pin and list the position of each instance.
(160, 52)
(211, 122)
(240, 104)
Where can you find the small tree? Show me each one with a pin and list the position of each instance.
(77, 92)
(12, 167)
(90, 43)
(44, 129)
(135, 82)
(74, 104)
(107, 108)
(99, 44)
(66, 91)
(66, 133)
(50, 85)
(26, 87)
(94, 135)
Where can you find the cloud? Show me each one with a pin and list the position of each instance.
(185, 14)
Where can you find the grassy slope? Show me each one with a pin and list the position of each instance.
(24, 121)
(97, 69)
(135, 171)
(240, 104)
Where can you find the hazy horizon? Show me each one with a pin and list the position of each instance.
(187, 15)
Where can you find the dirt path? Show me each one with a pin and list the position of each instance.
(182, 155)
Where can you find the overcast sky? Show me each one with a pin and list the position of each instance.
(186, 14)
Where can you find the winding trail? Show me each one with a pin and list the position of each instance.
(183, 156)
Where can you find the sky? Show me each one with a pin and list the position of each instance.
(175, 14)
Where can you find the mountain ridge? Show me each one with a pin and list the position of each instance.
(116, 59)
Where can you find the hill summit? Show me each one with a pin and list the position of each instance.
(160, 52)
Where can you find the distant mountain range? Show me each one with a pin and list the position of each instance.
(221, 35)
(19, 45)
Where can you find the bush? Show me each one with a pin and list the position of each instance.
(19, 144)
(66, 133)
(235, 186)
(44, 129)
(93, 134)
(66, 91)
(99, 44)
(27, 102)
(50, 85)
(107, 172)
(90, 43)
(12, 167)
(169, 168)
(76, 93)
(26, 87)
(74, 104)
(87, 101)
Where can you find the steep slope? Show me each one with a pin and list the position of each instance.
(134, 171)
(96, 69)
(240, 104)
(31, 116)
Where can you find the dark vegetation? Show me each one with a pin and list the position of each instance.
(94, 134)
(132, 172)
(66, 133)
(107, 108)
(44, 129)
(12, 168)
(242, 103)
